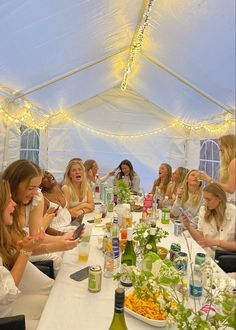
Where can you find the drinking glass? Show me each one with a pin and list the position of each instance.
(108, 264)
(83, 248)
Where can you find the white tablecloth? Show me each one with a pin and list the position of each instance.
(71, 306)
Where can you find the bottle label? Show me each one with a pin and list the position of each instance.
(115, 247)
(125, 271)
(195, 291)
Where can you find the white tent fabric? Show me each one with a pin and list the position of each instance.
(71, 55)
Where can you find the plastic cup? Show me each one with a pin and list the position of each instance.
(83, 248)
(108, 264)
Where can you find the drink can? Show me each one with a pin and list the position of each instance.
(200, 258)
(181, 261)
(95, 278)
(174, 249)
(178, 228)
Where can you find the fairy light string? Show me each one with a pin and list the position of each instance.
(26, 118)
(137, 44)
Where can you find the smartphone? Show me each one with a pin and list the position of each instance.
(81, 274)
(185, 213)
(77, 231)
(90, 221)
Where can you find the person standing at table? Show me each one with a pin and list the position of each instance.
(77, 190)
(24, 289)
(217, 223)
(91, 169)
(164, 179)
(227, 144)
(178, 177)
(126, 173)
(189, 197)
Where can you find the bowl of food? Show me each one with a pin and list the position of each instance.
(162, 252)
(146, 309)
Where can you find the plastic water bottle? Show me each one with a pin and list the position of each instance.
(196, 283)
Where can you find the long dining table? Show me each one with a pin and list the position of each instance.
(71, 306)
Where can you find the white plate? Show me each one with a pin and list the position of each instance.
(154, 323)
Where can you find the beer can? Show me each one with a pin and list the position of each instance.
(95, 278)
(178, 228)
(200, 258)
(181, 261)
(174, 249)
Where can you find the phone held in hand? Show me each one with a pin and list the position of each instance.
(185, 213)
(78, 231)
(90, 221)
(81, 274)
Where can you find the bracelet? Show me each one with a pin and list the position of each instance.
(83, 211)
(211, 180)
(26, 253)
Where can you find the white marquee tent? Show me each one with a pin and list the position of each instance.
(62, 63)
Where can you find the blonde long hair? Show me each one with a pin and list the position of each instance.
(6, 246)
(219, 212)
(195, 197)
(67, 181)
(228, 144)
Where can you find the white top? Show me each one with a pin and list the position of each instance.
(227, 231)
(231, 197)
(35, 201)
(63, 217)
(33, 282)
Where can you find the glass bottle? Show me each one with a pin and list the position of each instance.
(115, 231)
(195, 283)
(97, 188)
(128, 258)
(165, 217)
(151, 241)
(118, 321)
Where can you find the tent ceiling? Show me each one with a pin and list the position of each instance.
(46, 39)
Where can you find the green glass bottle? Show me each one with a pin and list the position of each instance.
(128, 258)
(151, 241)
(118, 321)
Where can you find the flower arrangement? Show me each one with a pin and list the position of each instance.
(164, 286)
(122, 191)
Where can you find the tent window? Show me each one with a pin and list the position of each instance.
(29, 147)
(209, 157)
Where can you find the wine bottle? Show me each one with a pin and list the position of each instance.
(118, 321)
(115, 231)
(128, 258)
(151, 241)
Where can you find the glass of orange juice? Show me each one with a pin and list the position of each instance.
(84, 248)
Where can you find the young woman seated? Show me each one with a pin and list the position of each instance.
(55, 203)
(25, 178)
(178, 177)
(216, 228)
(77, 190)
(126, 173)
(189, 197)
(162, 182)
(23, 288)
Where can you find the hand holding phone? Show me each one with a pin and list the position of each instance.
(185, 214)
(78, 231)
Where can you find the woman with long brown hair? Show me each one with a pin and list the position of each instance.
(178, 177)
(17, 274)
(227, 180)
(127, 173)
(217, 224)
(162, 182)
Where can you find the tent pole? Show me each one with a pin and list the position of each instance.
(68, 74)
(187, 83)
